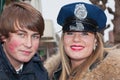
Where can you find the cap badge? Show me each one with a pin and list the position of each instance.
(79, 27)
(80, 11)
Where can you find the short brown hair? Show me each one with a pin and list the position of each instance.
(22, 14)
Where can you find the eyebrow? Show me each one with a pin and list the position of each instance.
(20, 30)
(35, 33)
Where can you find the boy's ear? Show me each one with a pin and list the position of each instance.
(2, 38)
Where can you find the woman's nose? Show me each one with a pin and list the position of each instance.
(77, 38)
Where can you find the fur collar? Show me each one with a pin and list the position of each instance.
(108, 69)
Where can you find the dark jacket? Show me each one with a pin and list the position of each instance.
(32, 70)
(57, 73)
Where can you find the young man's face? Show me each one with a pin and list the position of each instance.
(21, 46)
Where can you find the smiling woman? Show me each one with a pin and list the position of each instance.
(81, 49)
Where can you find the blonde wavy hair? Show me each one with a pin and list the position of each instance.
(96, 55)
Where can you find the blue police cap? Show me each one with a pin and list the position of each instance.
(81, 16)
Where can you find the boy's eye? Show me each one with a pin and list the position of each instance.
(21, 34)
(36, 36)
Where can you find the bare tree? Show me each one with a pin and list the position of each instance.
(115, 34)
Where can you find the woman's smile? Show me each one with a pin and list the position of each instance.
(77, 47)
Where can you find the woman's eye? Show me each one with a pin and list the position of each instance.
(84, 33)
(69, 33)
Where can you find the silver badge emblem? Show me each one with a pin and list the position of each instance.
(80, 11)
(79, 27)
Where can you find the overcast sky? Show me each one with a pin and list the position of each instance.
(50, 9)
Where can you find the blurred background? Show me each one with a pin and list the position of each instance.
(50, 10)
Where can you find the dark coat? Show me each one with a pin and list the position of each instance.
(57, 73)
(32, 70)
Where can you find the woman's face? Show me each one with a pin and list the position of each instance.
(79, 45)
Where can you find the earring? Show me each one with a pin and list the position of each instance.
(95, 45)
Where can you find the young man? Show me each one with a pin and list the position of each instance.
(21, 27)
